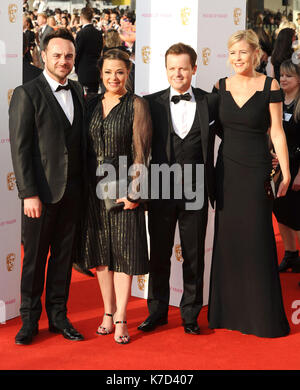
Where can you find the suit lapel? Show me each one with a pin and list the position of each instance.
(50, 99)
(165, 98)
(78, 92)
(203, 116)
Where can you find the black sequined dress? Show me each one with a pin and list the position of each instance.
(117, 238)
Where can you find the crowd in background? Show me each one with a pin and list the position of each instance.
(117, 27)
(278, 35)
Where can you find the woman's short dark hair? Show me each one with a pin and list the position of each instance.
(115, 54)
(60, 33)
(181, 48)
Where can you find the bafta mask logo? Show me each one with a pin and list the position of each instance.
(237, 15)
(185, 16)
(10, 261)
(206, 52)
(141, 282)
(12, 12)
(146, 54)
(11, 181)
(178, 253)
(9, 95)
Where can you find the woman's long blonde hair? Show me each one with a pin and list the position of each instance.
(251, 38)
(292, 69)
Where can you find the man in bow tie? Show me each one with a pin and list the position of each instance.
(48, 153)
(181, 135)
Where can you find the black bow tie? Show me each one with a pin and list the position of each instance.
(176, 98)
(60, 87)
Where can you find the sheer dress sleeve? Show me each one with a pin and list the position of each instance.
(141, 145)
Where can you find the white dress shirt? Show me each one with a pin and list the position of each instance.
(183, 113)
(63, 97)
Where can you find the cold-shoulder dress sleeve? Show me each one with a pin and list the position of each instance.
(276, 96)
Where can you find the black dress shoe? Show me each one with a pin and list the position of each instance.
(151, 323)
(66, 329)
(191, 328)
(290, 261)
(26, 334)
(83, 271)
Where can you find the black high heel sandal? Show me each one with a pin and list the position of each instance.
(122, 339)
(106, 332)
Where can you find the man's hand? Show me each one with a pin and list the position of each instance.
(296, 182)
(275, 161)
(33, 207)
(127, 204)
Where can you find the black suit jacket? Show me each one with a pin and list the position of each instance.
(89, 45)
(159, 103)
(37, 138)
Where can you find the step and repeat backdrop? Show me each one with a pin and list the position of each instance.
(11, 48)
(206, 26)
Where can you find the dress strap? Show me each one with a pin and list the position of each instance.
(268, 83)
(222, 84)
(221, 88)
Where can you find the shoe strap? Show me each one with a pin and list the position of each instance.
(108, 314)
(120, 322)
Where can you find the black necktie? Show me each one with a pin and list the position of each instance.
(60, 87)
(176, 98)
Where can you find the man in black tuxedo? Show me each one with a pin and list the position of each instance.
(182, 135)
(48, 152)
(89, 45)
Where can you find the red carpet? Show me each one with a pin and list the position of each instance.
(168, 348)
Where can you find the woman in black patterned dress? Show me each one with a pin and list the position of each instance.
(115, 242)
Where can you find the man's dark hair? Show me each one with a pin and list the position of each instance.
(60, 33)
(181, 48)
(87, 13)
